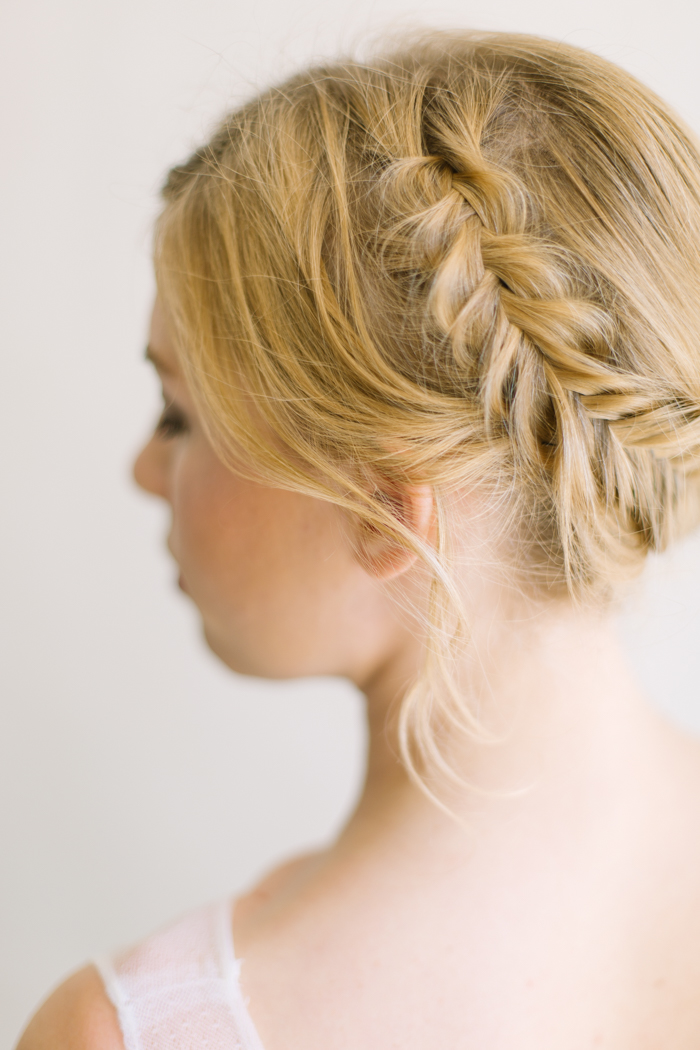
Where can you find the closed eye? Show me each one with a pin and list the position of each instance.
(171, 424)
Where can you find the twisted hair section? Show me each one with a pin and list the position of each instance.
(470, 262)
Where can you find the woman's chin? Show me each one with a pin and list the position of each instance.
(246, 660)
(220, 649)
(235, 657)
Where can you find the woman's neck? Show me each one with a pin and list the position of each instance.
(565, 718)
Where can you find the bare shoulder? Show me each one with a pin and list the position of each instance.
(663, 890)
(272, 889)
(77, 1016)
(673, 801)
(683, 771)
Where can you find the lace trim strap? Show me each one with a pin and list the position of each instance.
(179, 989)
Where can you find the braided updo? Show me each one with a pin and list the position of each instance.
(473, 261)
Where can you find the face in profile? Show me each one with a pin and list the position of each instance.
(275, 574)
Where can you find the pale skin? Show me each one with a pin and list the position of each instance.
(558, 907)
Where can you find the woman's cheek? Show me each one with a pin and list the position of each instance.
(214, 535)
(196, 515)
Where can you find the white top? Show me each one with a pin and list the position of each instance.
(179, 989)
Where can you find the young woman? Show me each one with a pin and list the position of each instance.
(428, 332)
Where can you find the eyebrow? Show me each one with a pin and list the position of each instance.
(156, 360)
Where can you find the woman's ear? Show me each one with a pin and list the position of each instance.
(379, 554)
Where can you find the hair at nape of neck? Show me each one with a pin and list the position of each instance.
(471, 260)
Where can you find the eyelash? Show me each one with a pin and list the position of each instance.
(171, 424)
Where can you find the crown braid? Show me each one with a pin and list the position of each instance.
(549, 372)
(472, 263)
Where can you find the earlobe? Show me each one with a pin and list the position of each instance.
(380, 554)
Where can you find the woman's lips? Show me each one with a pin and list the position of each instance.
(180, 581)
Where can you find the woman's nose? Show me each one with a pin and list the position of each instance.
(150, 469)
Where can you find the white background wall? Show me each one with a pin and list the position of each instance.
(138, 778)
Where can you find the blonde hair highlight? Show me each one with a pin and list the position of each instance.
(472, 261)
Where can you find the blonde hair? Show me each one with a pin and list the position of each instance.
(471, 261)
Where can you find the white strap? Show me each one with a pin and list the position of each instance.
(179, 989)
